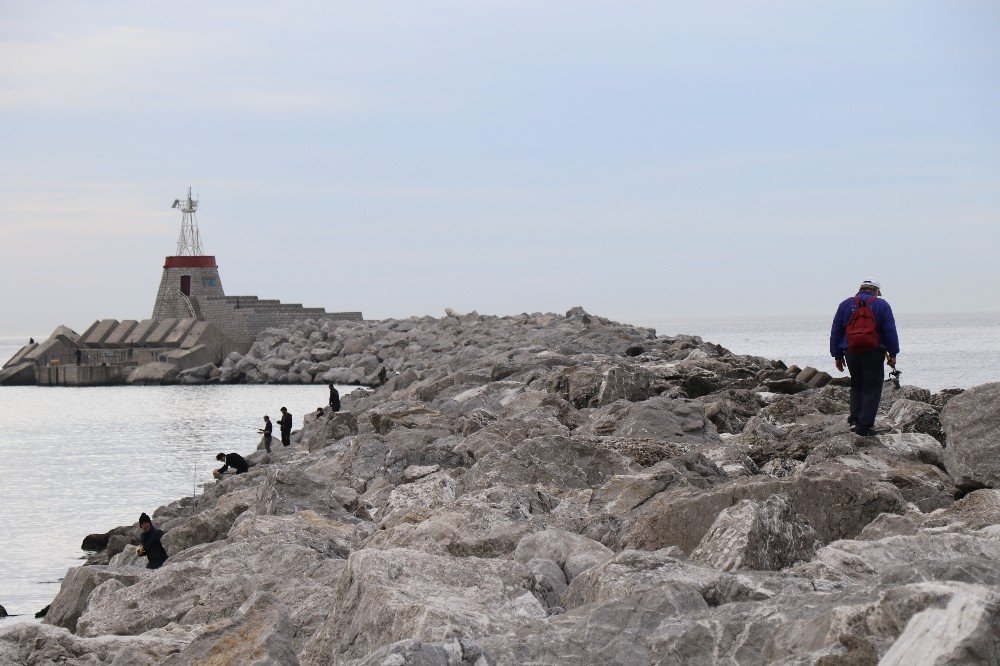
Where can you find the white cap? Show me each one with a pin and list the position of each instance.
(871, 282)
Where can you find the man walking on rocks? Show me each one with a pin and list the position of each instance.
(285, 423)
(864, 333)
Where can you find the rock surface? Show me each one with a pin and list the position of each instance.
(972, 426)
(559, 489)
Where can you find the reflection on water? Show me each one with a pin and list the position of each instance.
(74, 461)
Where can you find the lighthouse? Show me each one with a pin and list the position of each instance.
(190, 275)
(191, 288)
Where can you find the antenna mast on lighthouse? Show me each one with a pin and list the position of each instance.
(189, 242)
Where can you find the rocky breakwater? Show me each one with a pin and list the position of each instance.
(553, 489)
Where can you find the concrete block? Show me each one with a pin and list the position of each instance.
(160, 333)
(96, 335)
(116, 340)
(84, 375)
(142, 331)
(154, 373)
(22, 374)
(19, 356)
(204, 333)
(67, 336)
(53, 347)
(179, 332)
(185, 359)
(90, 329)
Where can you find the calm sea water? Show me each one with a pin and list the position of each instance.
(80, 460)
(936, 351)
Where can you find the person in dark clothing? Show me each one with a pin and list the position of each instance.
(867, 368)
(334, 399)
(79, 355)
(151, 547)
(381, 375)
(266, 431)
(285, 423)
(233, 460)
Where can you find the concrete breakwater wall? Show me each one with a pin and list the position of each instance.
(563, 489)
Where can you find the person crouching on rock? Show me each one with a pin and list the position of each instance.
(228, 460)
(151, 547)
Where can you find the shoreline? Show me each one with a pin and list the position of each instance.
(551, 459)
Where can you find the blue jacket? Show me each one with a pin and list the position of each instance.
(883, 318)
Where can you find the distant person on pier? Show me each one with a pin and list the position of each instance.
(285, 423)
(31, 341)
(864, 334)
(233, 460)
(151, 547)
(79, 356)
(266, 431)
(334, 399)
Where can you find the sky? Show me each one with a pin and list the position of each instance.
(646, 160)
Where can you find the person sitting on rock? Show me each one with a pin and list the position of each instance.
(334, 399)
(151, 547)
(233, 460)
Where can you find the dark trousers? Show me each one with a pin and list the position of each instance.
(867, 374)
(267, 443)
(286, 437)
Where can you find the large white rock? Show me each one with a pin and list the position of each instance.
(386, 596)
(766, 535)
(972, 426)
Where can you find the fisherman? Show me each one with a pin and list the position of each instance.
(151, 547)
(334, 399)
(865, 354)
(228, 460)
(266, 431)
(285, 423)
(381, 376)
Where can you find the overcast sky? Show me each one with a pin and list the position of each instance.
(646, 160)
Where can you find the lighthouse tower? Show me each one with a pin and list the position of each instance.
(190, 275)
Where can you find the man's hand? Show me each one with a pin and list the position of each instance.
(891, 360)
(140, 551)
(840, 364)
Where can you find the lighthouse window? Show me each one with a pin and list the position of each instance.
(208, 282)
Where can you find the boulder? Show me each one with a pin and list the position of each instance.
(912, 416)
(385, 596)
(971, 423)
(625, 382)
(69, 604)
(573, 553)
(759, 535)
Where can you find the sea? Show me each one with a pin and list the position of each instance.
(75, 461)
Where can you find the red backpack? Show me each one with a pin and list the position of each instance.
(862, 329)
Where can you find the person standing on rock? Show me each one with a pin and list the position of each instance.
(864, 334)
(334, 399)
(266, 431)
(151, 547)
(233, 460)
(285, 423)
